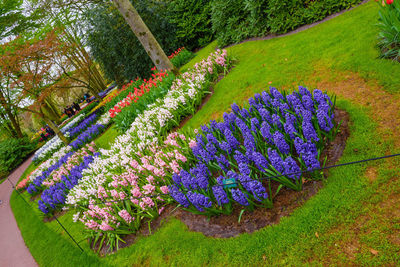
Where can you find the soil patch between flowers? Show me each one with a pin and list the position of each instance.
(225, 226)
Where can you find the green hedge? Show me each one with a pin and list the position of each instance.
(236, 20)
(13, 152)
(192, 20)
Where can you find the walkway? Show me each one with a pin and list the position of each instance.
(13, 251)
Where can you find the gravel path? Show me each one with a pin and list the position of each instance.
(13, 251)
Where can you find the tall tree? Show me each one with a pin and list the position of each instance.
(30, 67)
(146, 38)
(67, 15)
(13, 21)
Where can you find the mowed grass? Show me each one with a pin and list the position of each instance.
(314, 233)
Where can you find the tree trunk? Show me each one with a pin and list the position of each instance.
(11, 117)
(7, 126)
(56, 130)
(144, 35)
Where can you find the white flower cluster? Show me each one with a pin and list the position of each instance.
(146, 128)
(104, 119)
(55, 143)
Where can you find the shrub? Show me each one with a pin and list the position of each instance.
(13, 152)
(389, 35)
(192, 19)
(235, 20)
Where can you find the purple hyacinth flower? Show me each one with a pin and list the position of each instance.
(276, 160)
(240, 158)
(293, 100)
(239, 197)
(232, 141)
(235, 108)
(260, 161)
(258, 190)
(178, 196)
(199, 200)
(255, 124)
(304, 91)
(309, 132)
(220, 195)
(266, 116)
(266, 98)
(225, 147)
(290, 129)
(324, 121)
(249, 142)
(280, 142)
(244, 168)
(187, 180)
(223, 162)
(277, 121)
(176, 179)
(308, 103)
(275, 93)
(266, 132)
(291, 168)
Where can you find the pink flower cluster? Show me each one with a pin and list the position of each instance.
(142, 185)
(74, 160)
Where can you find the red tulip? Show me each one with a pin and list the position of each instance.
(389, 2)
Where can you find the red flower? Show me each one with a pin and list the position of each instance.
(389, 2)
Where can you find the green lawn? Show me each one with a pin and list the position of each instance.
(107, 138)
(346, 43)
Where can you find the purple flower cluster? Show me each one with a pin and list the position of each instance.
(36, 186)
(54, 197)
(91, 133)
(278, 136)
(83, 125)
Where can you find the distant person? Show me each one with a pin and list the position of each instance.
(76, 106)
(71, 110)
(87, 97)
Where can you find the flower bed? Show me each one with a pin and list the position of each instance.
(138, 100)
(180, 57)
(135, 165)
(51, 171)
(53, 198)
(87, 136)
(92, 118)
(54, 144)
(278, 137)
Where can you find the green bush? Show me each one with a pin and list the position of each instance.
(236, 20)
(389, 35)
(13, 152)
(192, 19)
